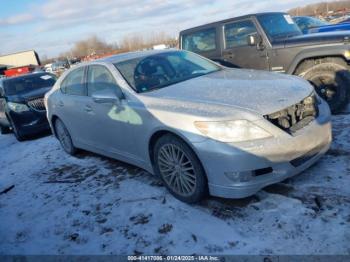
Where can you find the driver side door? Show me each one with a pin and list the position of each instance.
(237, 51)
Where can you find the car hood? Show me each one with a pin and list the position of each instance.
(327, 28)
(33, 94)
(316, 39)
(252, 90)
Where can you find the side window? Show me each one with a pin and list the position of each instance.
(201, 41)
(100, 78)
(73, 84)
(236, 34)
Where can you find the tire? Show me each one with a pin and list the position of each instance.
(180, 169)
(64, 137)
(19, 136)
(5, 130)
(332, 82)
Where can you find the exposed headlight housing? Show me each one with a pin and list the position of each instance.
(17, 107)
(232, 131)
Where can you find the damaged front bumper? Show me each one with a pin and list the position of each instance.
(241, 170)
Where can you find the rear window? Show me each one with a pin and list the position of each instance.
(25, 84)
(200, 41)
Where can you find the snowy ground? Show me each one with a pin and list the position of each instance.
(95, 205)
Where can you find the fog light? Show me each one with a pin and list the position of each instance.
(239, 176)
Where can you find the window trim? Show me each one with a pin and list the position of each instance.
(234, 22)
(87, 78)
(64, 92)
(217, 44)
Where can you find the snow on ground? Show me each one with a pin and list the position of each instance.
(94, 205)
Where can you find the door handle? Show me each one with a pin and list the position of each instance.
(60, 104)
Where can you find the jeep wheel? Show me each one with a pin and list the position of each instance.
(331, 82)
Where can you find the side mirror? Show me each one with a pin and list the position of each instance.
(256, 40)
(252, 40)
(107, 96)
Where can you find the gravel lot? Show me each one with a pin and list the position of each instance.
(94, 205)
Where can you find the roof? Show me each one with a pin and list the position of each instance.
(19, 52)
(228, 20)
(25, 76)
(131, 55)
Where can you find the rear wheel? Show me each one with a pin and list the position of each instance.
(331, 82)
(64, 137)
(180, 169)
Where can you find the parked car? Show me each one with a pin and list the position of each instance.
(347, 20)
(59, 66)
(22, 107)
(309, 25)
(48, 68)
(272, 41)
(198, 125)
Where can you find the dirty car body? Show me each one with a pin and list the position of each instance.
(246, 128)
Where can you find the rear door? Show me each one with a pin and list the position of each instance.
(72, 105)
(236, 49)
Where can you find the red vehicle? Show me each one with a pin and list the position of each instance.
(16, 71)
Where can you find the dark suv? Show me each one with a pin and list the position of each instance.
(22, 106)
(272, 41)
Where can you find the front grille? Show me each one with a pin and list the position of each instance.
(37, 104)
(297, 116)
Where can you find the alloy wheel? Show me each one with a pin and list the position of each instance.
(177, 169)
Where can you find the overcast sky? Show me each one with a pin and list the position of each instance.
(52, 26)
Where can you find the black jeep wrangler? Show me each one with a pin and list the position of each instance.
(272, 41)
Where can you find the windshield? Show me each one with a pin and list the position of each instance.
(309, 22)
(278, 26)
(20, 85)
(156, 71)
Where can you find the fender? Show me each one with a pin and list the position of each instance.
(340, 50)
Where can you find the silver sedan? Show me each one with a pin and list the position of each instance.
(201, 127)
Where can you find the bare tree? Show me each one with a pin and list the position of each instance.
(91, 46)
(138, 41)
(321, 8)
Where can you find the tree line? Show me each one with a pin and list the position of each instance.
(95, 46)
(321, 8)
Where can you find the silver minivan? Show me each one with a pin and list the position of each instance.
(203, 128)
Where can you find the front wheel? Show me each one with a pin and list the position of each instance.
(64, 137)
(4, 130)
(331, 82)
(16, 131)
(180, 169)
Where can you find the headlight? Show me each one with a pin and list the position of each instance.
(232, 131)
(17, 107)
